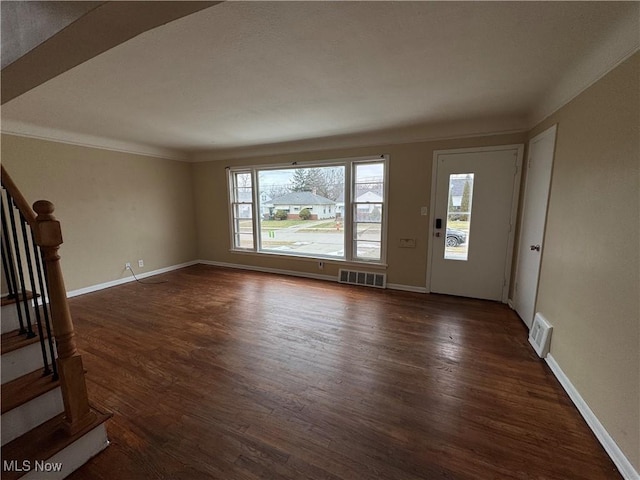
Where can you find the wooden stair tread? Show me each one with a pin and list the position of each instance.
(12, 300)
(45, 441)
(14, 340)
(23, 389)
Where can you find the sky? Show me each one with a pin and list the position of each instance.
(283, 176)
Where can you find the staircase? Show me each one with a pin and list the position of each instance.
(48, 427)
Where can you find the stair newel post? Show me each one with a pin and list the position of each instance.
(72, 382)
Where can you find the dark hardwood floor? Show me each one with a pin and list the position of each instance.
(230, 374)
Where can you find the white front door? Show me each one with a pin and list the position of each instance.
(534, 216)
(474, 203)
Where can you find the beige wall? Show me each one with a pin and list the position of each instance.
(589, 284)
(409, 189)
(117, 207)
(114, 207)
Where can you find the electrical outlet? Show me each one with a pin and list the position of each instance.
(320, 265)
(127, 266)
(141, 263)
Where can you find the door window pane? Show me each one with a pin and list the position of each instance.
(459, 216)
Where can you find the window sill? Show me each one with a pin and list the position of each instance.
(336, 261)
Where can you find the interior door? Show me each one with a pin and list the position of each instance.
(534, 216)
(473, 210)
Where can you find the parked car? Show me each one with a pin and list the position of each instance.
(455, 237)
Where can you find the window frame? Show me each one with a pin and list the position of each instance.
(348, 213)
(233, 202)
(354, 208)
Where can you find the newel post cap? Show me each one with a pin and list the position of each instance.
(48, 233)
(44, 209)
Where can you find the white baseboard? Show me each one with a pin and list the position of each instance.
(293, 273)
(406, 288)
(627, 470)
(121, 281)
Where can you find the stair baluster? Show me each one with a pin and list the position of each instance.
(28, 293)
(45, 304)
(23, 285)
(46, 238)
(36, 296)
(9, 265)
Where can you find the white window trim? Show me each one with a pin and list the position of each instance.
(347, 214)
(385, 209)
(231, 202)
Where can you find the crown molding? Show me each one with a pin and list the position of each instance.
(470, 128)
(22, 129)
(618, 46)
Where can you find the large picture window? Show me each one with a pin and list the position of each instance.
(334, 210)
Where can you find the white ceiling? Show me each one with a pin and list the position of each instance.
(25, 25)
(248, 77)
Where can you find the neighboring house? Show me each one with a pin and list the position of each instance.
(246, 197)
(368, 207)
(293, 203)
(244, 207)
(370, 198)
(456, 189)
(340, 206)
(265, 205)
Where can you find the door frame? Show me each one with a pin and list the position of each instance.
(552, 130)
(519, 147)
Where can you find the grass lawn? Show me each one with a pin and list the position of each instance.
(331, 225)
(280, 223)
(458, 225)
(277, 224)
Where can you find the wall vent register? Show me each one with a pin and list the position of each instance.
(367, 279)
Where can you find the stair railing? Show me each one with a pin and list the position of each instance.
(39, 252)
(23, 269)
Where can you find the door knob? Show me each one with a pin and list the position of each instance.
(535, 248)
